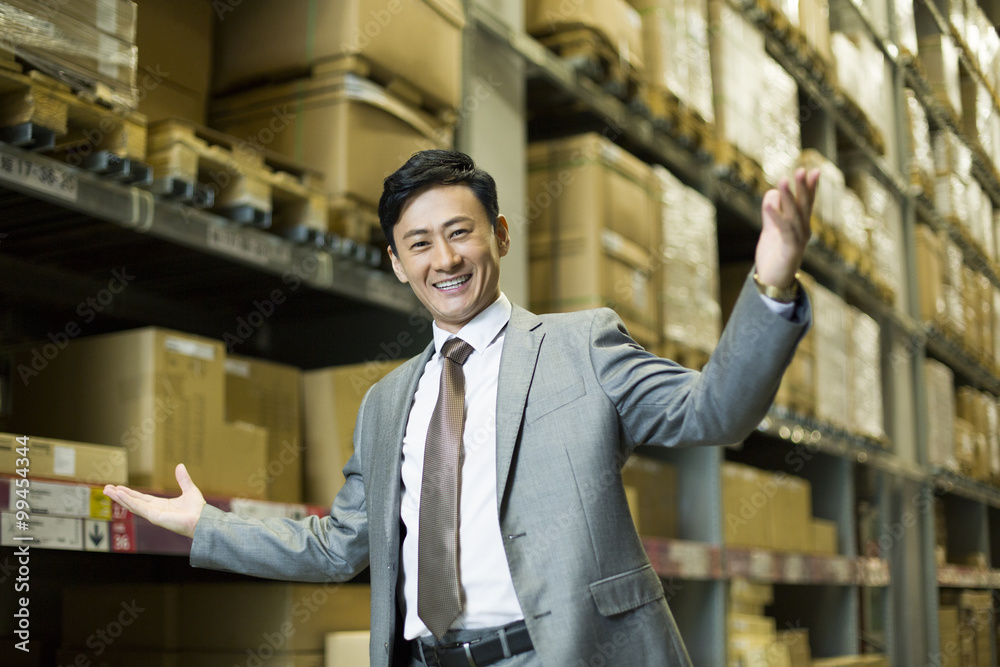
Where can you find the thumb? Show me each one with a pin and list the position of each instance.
(184, 479)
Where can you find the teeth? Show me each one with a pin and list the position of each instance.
(451, 283)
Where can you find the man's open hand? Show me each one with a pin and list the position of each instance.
(785, 230)
(178, 514)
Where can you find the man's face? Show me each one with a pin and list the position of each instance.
(449, 253)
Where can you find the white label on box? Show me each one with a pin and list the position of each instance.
(238, 368)
(761, 565)
(40, 174)
(64, 460)
(692, 560)
(51, 532)
(795, 568)
(190, 348)
(61, 499)
(612, 241)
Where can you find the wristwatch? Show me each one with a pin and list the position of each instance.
(779, 294)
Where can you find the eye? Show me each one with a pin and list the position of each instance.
(459, 231)
(418, 245)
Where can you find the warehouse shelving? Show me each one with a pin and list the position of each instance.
(695, 567)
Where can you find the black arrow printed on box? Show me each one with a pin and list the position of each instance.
(96, 535)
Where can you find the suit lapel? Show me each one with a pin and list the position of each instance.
(517, 367)
(388, 458)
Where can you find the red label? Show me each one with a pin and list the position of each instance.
(122, 530)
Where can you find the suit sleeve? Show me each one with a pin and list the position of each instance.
(663, 403)
(317, 549)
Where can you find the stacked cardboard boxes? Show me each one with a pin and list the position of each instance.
(737, 57)
(772, 511)
(676, 51)
(266, 623)
(779, 122)
(63, 460)
(594, 229)
(919, 149)
(351, 89)
(159, 394)
(975, 626)
(865, 376)
(268, 395)
(939, 381)
(331, 398)
(89, 45)
(830, 318)
(690, 253)
(883, 226)
(615, 23)
(940, 60)
(977, 439)
(752, 637)
(651, 490)
(862, 75)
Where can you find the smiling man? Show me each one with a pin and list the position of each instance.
(485, 490)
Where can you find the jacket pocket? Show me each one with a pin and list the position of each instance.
(553, 400)
(627, 591)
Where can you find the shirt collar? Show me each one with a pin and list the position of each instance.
(482, 329)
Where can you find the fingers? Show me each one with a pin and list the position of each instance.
(184, 478)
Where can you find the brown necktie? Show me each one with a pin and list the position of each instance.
(438, 596)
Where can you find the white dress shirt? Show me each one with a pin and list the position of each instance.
(488, 595)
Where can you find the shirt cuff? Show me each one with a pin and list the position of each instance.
(786, 310)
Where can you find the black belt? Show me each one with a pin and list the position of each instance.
(477, 653)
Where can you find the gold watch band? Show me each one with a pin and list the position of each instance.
(779, 294)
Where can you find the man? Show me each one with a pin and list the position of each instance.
(485, 490)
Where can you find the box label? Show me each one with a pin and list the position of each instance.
(189, 348)
(52, 532)
(61, 499)
(237, 368)
(64, 461)
(38, 174)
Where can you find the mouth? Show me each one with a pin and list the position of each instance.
(452, 284)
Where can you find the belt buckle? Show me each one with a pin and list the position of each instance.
(466, 646)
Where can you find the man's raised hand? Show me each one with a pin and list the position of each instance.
(178, 514)
(785, 228)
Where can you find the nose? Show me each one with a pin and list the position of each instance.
(445, 257)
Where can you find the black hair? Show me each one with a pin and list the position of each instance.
(429, 168)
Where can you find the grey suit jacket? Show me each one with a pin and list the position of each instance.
(575, 396)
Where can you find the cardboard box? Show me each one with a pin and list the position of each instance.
(350, 129)
(268, 395)
(737, 60)
(65, 460)
(158, 393)
(747, 508)
(150, 612)
(331, 398)
(865, 378)
(166, 100)
(243, 615)
(347, 649)
(814, 22)
(748, 624)
(614, 20)
(930, 266)
(939, 381)
(174, 38)
(594, 225)
(270, 41)
(949, 644)
(830, 314)
(797, 641)
(798, 388)
(940, 60)
(824, 537)
(655, 485)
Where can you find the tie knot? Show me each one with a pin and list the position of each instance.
(456, 350)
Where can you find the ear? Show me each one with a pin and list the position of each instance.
(503, 235)
(397, 267)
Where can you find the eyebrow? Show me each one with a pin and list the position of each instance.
(453, 221)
